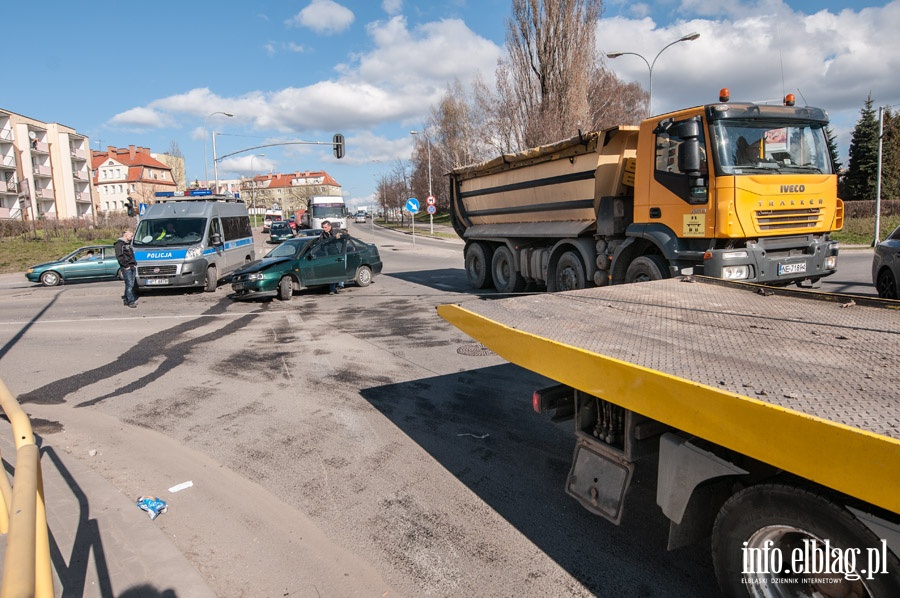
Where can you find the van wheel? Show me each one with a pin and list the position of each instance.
(212, 280)
(647, 268)
(478, 265)
(285, 288)
(503, 268)
(364, 276)
(760, 529)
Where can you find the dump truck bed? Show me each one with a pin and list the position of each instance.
(807, 384)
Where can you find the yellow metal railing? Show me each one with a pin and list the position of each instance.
(23, 516)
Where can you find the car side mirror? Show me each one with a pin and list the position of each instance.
(215, 239)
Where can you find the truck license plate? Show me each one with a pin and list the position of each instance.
(157, 281)
(795, 268)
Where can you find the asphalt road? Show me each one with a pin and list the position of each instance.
(403, 458)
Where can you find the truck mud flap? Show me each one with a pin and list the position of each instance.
(599, 479)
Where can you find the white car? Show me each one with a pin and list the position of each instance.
(360, 217)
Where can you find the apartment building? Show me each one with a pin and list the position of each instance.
(288, 191)
(120, 173)
(44, 170)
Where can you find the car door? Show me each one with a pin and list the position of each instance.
(84, 265)
(109, 263)
(325, 263)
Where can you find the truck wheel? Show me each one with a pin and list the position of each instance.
(646, 268)
(760, 530)
(212, 280)
(886, 285)
(570, 274)
(285, 288)
(503, 268)
(478, 265)
(363, 276)
(50, 278)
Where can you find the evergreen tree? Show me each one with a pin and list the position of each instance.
(890, 156)
(832, 148)
(862, 169)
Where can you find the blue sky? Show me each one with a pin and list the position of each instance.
(148, 74)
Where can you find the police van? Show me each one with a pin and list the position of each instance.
(191, 240)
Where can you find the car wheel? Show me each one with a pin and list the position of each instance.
(50, 278)
(285, 288)
(364, 276)
(886, 285)
(212, 280)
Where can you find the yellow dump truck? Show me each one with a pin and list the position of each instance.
(769, 417)
(737, 191)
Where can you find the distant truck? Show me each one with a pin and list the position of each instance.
(270, 217)
(738, 191)
(326, 207)
(768, 420)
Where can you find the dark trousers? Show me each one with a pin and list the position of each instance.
(130, 277)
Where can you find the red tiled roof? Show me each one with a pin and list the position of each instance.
(136, 159)
(283, 180)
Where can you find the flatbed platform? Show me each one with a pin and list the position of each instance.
(794, 381)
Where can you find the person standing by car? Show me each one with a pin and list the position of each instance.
(125, 255)
(328, 235)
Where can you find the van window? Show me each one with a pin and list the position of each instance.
(236, 227)
(164, 232)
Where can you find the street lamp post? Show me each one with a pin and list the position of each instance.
(430, 194)
(205, 133)
(687, 38)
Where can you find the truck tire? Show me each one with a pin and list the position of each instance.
(503, 268)
(285, 288)
(212, 280)
(570, 274)
(646, 268)
(787, 516)
(478, 265)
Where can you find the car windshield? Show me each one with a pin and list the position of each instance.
(290, 248)
(748, 146)
(164, 232)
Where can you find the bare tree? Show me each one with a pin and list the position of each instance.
(177, 165)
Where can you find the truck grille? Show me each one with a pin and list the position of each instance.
(156, 271)
(781, 219)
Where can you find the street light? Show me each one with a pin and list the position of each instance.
(253, 180)
(205, 133)
(687, 38)
(428, 145)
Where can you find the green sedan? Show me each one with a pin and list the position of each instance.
(305, 262)
(95, 262)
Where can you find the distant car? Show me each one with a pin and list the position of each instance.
(305, 262)
(94, 262)
(886, 266)
(360, 217)
(280, 230)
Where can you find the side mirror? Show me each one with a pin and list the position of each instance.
(215, 239)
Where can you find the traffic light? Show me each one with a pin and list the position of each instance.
(338, 145)
(129, 206)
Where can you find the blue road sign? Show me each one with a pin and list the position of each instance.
(143, 209)
(431, 209)
(412, 205)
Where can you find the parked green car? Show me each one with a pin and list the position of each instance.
(95, 262)
(304, 262)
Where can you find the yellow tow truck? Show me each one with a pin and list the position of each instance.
(771, 415)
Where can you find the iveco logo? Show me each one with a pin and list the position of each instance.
(156, 270)
(793, 188)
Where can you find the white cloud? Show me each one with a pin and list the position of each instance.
(833, 60)
(325, 17)
(392, 7)
(142, 118)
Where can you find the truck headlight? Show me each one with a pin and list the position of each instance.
(735, 272)
(831, 262)
(734, 255)
(194, 252)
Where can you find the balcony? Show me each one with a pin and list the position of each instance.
(8, 162)
(6, 135)
(44, 194)
(39, 147)
(78, 154)
(80, 176)
(9, 187)
(42, 171)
